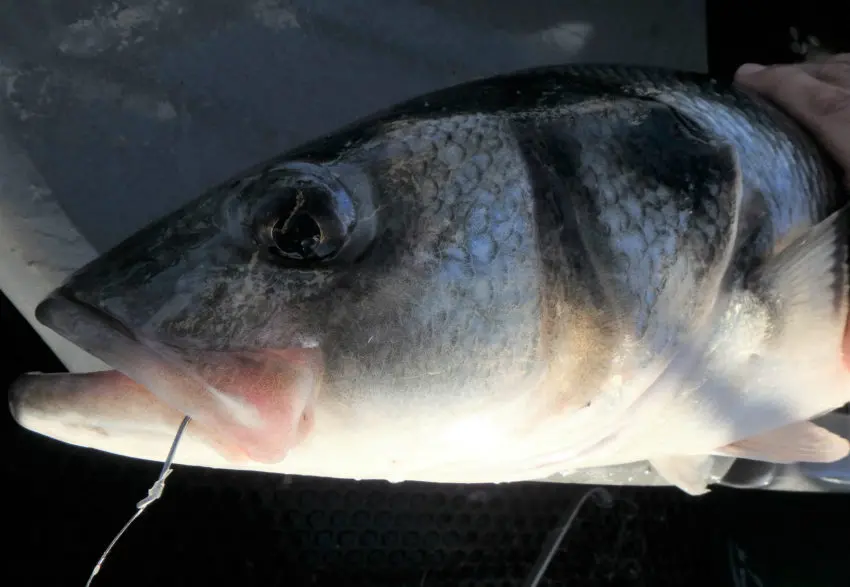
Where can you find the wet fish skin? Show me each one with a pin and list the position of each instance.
(529, 253)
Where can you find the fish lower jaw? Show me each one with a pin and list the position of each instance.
(111, 413)
(150, 440)
(142, 427)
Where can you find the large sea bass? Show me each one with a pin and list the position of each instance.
(535, 273)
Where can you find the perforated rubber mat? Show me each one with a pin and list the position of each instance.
(418, 534)
(221, 528)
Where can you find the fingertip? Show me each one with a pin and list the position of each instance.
(748, 69)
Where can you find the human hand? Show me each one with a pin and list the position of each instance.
(817, 95)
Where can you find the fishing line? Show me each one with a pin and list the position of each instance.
(556, 537)
(154, 493)
(550, 547)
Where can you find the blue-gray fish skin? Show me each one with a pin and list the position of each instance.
(522, 275)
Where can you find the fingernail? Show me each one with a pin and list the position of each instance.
(749, 69)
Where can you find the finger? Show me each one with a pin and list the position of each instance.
(818, 55)
(823, 107)
(832, 71)
(748, 69)
(840, 58)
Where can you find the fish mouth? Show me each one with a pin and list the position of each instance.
(251, 405)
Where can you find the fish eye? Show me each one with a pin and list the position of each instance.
(306, 227)
(307, 216)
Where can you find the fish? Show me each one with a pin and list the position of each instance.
(522, 275)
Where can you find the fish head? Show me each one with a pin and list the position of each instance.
(355, 295)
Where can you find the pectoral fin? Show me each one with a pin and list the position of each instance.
(807, 289)
(691, 473)
(798, 442)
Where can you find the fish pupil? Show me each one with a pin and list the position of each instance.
(298, 236)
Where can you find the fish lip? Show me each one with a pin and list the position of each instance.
(258, 431)
(95, 330)
(98, 332)
(53, 312)
(16, 390)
